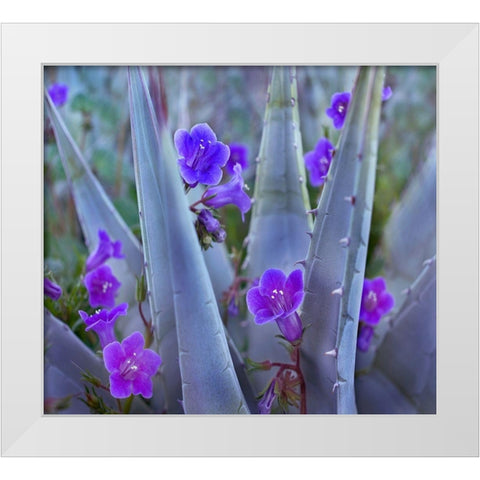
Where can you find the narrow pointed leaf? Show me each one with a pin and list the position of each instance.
(147, 153)
(415, 214)
(344, 212)
(94, 208)
(279, 224)
(209, 383)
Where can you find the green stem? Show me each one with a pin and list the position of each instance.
(128, 404)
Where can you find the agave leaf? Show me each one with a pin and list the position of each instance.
(146, 153)
(66, 359)
(415, 216)
(336, 259)
(209, 383)
(278, 228)
(95, 210)
(408, 239)
(405, 362)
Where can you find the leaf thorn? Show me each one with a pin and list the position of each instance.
(332, 353)
(338, 291)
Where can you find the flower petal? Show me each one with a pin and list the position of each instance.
(378, 285)
(255, 300)
(295, 302)
(217, 154)
(372, 318)
(133, 344)
(294, 282)
(324, 149)
(230, 192)
(266, 315)
(210, 176)
(142, 385)
(113, 356)
(189, 174)
(272, 279)
(312, 164)
(51, 289)
(149, 361)
(238, 154)
(119, 387)
(365, 336)
(385, 302)
(202, 131)
(185, 144)
(118, 310)
(291, 327)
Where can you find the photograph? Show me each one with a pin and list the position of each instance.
(239, 239)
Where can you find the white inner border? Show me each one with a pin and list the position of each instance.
(453, 431)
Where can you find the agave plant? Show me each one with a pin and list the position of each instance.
(286, 322)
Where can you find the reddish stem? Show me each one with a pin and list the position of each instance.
(148, 326)
(297, 369)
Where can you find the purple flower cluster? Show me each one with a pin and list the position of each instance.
(376, 302)
(201, 160)
(130, 365)
(318, 162)
(277, 297)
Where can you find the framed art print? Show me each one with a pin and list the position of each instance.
(264, 239)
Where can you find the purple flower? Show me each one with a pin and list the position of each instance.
(238, 154)
(265, 404)
(230, 192)
(338, 108)
(386, 93)
(201, 155)
(58, 93)
(212, 225)
(105, 249)
(318, 162)
(365, 335)
(376, 301)
(102, 287)
(103, 322)
(277, 297)
(51, 289)
(131, 366)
